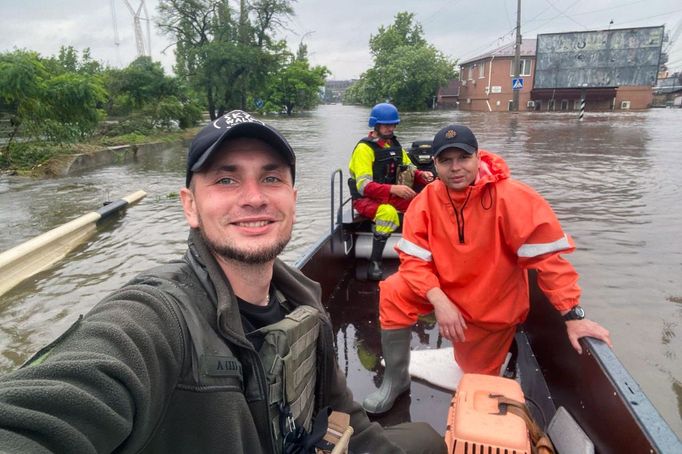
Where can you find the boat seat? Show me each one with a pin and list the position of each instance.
(567, 436)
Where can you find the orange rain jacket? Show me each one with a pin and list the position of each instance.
(477, 248)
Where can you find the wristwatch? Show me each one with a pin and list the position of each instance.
(576, 313)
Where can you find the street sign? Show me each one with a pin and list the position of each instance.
(517, 84)
(259, 103)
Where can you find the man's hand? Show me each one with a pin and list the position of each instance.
(585, 327)
(427, 175)
(402, 191)
(451, 324)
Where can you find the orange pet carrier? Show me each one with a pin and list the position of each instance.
(488, 415)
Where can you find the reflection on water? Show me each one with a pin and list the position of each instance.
(612, 179)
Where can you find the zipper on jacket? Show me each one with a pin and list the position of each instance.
(262, 383)
(459, 214)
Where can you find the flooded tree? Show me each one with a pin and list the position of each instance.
(297, 85)
(407, 69)
(229, 55)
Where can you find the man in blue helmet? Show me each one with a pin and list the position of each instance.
(378, 191)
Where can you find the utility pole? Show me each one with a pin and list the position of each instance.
(517, 57)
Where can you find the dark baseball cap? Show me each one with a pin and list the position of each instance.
(454, 136)
(230, 126)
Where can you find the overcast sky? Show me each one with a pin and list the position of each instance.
(336, 32)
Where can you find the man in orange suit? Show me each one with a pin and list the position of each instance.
(468, 240)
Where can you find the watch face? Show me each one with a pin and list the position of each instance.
(576, 313)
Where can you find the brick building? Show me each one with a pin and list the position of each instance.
(486, 85)
(486, 80)
(448, 96)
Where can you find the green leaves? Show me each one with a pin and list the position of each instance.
(229, 54)
(57, 104)
(407, 69)
(296, 86)
(63, 99)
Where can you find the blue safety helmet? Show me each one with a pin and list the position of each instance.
(383, 114)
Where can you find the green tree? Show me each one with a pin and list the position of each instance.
(144, 81)
(68, 60)
(407, 69)
(46, 101)
(72, 107)
(297, 85)
(22, 84)
(60, 106)
(152, 99)
(223, 53)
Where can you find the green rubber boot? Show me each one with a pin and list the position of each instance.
(395, 344)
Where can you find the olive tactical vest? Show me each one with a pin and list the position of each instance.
(288, 357)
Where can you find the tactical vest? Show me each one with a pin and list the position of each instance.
(387, 161)
(288, 355)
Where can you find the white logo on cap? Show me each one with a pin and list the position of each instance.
(233, 118)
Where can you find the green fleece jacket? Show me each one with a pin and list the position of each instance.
(150, 369)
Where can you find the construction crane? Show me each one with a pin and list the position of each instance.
(142, 50)
(117, 41)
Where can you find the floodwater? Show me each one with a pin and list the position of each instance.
(613, 180)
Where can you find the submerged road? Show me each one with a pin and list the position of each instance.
(613, 180)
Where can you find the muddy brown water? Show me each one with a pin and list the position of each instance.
(613, 180)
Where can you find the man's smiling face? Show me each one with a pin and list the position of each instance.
(243, 202)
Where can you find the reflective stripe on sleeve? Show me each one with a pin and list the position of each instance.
(533, 250)
(412, 249)
(363, 181)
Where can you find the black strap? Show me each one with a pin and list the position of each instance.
(298, 441)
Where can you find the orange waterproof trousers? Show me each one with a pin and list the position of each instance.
(483, 351)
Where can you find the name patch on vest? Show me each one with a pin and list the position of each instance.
(221, 366)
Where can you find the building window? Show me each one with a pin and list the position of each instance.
(481, 70)
(525, 67)
(564, 104)
(471, 72)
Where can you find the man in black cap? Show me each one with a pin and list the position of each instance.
(468, 240)
(226, 350)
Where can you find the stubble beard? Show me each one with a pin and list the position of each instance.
(231, 252)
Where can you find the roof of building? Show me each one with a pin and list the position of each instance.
(528, 46)
(451, 89)
(668, 85)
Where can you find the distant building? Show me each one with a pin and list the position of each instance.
(486, 80)
(334, 90)
(612, 69)
(668, 92)
(448, 96)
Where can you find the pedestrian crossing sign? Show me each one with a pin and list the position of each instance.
(517, 84)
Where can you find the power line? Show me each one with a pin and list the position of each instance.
(563, 13)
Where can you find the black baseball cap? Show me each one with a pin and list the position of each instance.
(232, 125)
(454, 136)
